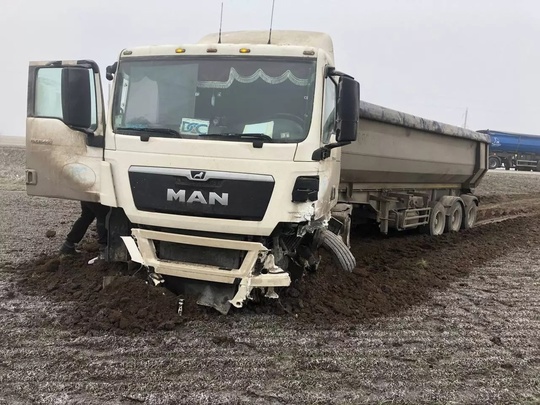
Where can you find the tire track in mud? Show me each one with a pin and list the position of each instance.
(493, 208)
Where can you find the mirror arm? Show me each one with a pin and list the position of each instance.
(331, 71)
(324, 152)
(89, 64)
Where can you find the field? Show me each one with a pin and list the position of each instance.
(454, 319)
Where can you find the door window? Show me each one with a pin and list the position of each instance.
(48, 94)
(329, 110)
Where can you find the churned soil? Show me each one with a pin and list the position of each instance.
(102, 296)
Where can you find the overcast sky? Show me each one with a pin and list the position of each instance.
(432, 58)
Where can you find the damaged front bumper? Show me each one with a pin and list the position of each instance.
(257, 270)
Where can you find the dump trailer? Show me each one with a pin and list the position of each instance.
(228, 163)
(405, 172)
(508, 149)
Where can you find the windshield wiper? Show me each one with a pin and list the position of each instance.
(258, 139)
(147, 131)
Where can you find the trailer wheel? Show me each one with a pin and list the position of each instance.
(469, 216)
(340, 252)
(437, 220)
(454, 217)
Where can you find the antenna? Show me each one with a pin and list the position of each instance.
(466, 114)
(271, 22)
(220, 23)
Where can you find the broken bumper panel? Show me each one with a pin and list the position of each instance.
(142, 250)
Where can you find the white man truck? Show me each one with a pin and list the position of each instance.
(228, 162)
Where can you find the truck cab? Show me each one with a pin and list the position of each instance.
(220, 160)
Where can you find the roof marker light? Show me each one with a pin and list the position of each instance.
(180, 50)
(245, 50)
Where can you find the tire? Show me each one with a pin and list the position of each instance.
(437, 220)
(340, 253)
(469, 216)
(494, 162)
(454, 217)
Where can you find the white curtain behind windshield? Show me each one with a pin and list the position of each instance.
(216, 96)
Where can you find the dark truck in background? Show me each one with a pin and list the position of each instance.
(508, 149)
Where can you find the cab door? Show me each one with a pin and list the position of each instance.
(64, 130)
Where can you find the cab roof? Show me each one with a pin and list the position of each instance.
(279, 37)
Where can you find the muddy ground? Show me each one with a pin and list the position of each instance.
(454, 319)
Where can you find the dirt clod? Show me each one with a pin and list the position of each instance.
(223, 340)
(496, 340)
(49, 266)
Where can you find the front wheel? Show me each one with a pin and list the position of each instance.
(340, 252)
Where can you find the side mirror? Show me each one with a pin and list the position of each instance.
(348, 109)
(77, 97)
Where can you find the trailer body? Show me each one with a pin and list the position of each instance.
(399, 159)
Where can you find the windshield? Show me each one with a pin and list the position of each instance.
(215, 98)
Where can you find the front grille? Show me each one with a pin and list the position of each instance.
(213, 194)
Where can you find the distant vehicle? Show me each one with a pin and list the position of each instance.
(520, 151)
